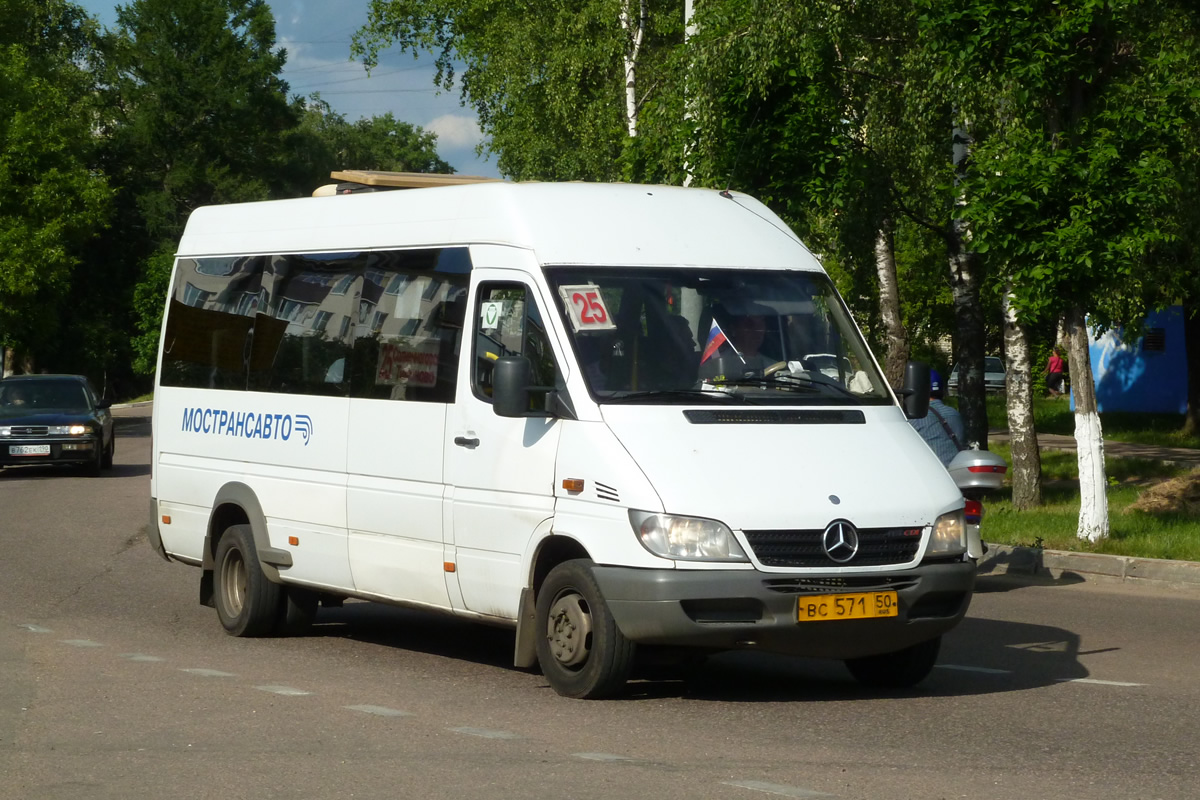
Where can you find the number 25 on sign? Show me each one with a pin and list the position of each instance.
(585, 307)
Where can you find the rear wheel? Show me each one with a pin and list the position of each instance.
(247, 603)
(581, 651)
(898, 670)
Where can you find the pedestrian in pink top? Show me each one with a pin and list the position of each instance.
(1054, 374)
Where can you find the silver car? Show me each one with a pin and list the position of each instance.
(993, 375)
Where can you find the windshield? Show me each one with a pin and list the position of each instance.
(723, 335)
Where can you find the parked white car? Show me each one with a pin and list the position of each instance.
(993, 375)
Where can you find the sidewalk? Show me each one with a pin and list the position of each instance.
(1181, 456)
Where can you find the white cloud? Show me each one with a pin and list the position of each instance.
(455, 131)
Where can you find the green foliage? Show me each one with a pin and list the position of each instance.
(546, 78)
(331, 143)
(1084, 115)
(199, 115)
(53, 203)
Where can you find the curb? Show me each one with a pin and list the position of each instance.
(1032, 562)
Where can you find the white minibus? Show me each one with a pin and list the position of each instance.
(621, 420)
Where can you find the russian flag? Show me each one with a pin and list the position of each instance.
(716, 338)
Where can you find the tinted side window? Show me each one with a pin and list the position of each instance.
(303, 333)
(508, 323)
(408, 324)
(209, 322)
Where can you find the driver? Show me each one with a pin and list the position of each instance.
(735, 340)
(16, 396)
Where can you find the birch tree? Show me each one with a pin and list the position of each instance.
(558, 87)
(1085, 112)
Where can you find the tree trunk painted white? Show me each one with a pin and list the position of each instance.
(635, 31)
(889, 304)
(1018, 387)
(1089, 439)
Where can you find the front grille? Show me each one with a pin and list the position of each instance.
(30, 430)
(876, 547)
(847, 583)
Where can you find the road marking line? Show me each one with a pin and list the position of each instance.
(81, 642)
(381, 711)
(485, 733)
(776, 788)
(602, 757)
(287, 691)
(985, 670)
(34, 628)
(141, 657)
(207, 673)
(1098, 683)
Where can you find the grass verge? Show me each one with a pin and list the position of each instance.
(1053, 525)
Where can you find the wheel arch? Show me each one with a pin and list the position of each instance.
(236, 504)
(551, 550)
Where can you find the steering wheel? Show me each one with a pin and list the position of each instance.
(776, 367)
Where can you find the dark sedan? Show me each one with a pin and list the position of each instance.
(54, 419)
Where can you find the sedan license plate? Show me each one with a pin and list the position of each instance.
(856, 605)
(29, 449)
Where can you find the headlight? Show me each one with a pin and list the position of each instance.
(949, 535)
(686, 538)
(70, 430)
(6, 431)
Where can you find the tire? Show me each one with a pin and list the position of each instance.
(107, 461)
(92, 468)
(899, 670)
(581, 651)
(247, 603)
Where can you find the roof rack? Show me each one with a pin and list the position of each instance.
(354, 181)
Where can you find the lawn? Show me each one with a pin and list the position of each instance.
(1054, 415)
(1131, 533)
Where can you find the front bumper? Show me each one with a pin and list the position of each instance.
(737, 610)
(62, 450)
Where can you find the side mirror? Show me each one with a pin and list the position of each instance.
(915, 393)
(511, 377)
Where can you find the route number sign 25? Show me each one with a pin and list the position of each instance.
(585, 307)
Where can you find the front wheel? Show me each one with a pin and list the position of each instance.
(106, 460)
(581, 650)
(247, 603)
(898, 670)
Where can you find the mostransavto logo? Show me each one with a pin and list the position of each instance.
(247, 424)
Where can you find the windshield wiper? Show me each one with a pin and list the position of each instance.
(814, 381)
(675, 394)
(798, 383)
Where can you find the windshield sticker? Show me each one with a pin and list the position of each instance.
(585, 307)
(247, 424)
(490, 314)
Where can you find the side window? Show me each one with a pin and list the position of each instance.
(509, 323)
(300, 344)
(408, 324)
(209, 322)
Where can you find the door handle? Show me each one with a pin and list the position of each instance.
(463, 441)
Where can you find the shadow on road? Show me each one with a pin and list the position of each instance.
(981, 656)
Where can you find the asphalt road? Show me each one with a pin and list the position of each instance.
(116, 683)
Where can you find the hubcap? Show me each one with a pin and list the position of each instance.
(569, 630)
(233, 582)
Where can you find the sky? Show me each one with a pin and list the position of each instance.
(316, 34)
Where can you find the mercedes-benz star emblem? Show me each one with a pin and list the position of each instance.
(840, 541)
